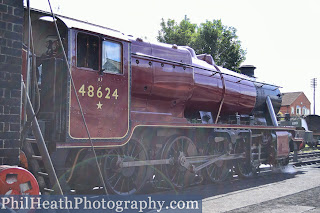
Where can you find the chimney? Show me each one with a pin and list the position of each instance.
(247, 70)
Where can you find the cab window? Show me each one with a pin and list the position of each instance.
(111, 57)
(88, 51)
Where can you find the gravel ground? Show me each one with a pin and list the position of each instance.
(296, 191)
(305, 201)
(277, 191)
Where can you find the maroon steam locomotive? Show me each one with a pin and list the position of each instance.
(142, 112)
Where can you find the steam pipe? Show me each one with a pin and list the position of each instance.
(271, 111)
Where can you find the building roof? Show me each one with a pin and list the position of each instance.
(289, 97)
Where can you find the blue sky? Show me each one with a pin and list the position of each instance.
(281, 36)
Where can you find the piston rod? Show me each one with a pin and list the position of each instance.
(188, 161)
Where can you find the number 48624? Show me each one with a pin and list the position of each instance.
(100, 92)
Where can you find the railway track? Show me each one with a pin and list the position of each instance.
(305, 159)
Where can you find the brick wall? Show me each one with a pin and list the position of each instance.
(301, 101)
(11, 20)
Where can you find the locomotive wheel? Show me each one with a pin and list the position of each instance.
(284, 162)
(177, 148)
(220, 170)
(243, 167)
(125, 180)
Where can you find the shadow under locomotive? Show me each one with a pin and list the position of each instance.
(240, 184)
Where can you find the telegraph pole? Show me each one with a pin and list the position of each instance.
(314, 85)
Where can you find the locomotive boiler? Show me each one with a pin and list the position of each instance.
(139, 113)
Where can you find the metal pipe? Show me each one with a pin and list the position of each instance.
(223, 93)
(271, 111)
(28, 77)
(77, 98)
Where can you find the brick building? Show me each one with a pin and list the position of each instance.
(11, 25)
(295, 103)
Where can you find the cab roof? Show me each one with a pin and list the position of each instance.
(72, 23)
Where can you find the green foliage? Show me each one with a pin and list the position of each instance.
(211, 37)
(172, 33)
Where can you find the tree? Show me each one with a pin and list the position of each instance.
(211, 37)
(172, 33)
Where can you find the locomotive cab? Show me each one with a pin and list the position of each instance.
(45, 75)
(100, 72)
(77, 72)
